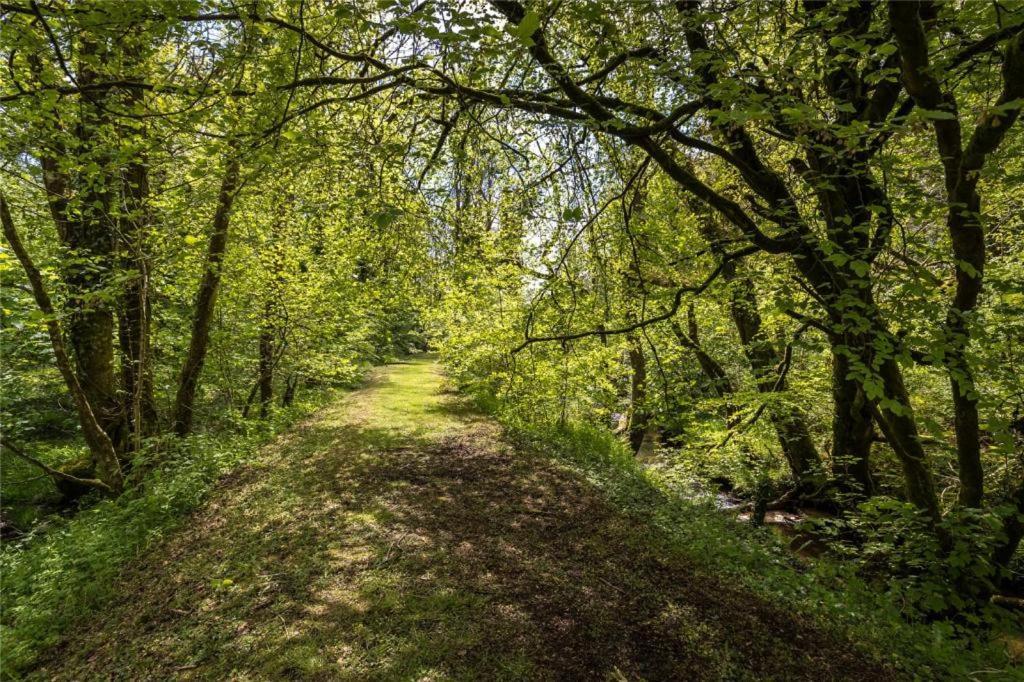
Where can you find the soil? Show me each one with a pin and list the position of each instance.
(395, 537)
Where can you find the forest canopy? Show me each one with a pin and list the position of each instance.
(772, 246)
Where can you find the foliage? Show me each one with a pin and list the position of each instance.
(70, 571)
(772, 246)
(833, 592)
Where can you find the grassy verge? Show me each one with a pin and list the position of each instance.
(54, 578)
(824, 590)
(397, 536)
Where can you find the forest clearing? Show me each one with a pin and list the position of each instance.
(511, 339)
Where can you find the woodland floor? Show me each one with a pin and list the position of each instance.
(396, 536)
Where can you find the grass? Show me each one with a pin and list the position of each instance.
(67, 567)
(288, 574)
(823, 590)
(399, 535)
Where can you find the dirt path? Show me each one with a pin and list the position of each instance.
(393, 538)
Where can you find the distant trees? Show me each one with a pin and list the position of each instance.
(122, 120)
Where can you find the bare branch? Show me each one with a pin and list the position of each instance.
(676, 302)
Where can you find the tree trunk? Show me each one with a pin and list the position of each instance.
(962, 166)
(100, 446)
(206, 300)
(135, 316)
(638, 419)
(266, 365)
(291, 384)
(91, 332)
(852, 431)
(133, 221)
(251, 397)
(900, 429)
(790, 424)
(85, 230)
(716, 374)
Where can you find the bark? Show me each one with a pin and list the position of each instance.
(852, 431)
(206, 300)
(278, 350)
(266, 363)
(100, 446)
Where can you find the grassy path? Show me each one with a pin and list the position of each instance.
(397, 537)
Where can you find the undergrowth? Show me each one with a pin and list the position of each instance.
(54, 577)
(823, 589)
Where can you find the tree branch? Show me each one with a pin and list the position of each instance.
(676, 302)
(56, 473)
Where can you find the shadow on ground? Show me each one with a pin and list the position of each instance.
(358, 549)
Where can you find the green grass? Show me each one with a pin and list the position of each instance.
(824, 590)
(406, 404)
(66, 568)
(397, 536)
(348, 602)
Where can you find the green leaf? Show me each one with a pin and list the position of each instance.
(526, 28)
(968, 268)
(860, 267)
(386, 217)
(937, 115)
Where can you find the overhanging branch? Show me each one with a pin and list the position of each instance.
(670, 312)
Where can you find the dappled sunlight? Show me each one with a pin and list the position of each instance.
(646, 339)
(389, 539)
